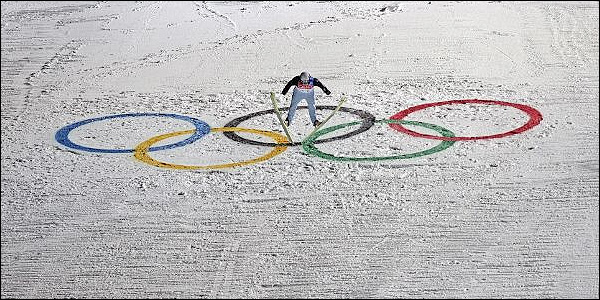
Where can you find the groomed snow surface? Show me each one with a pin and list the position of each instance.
(508, 217)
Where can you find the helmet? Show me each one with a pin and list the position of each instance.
(304, 76)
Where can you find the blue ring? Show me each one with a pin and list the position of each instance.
(62, 136)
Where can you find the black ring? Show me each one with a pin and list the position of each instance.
(368, 121)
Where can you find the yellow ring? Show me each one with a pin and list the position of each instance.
(141, 151)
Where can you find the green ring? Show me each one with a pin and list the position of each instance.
(309, 146)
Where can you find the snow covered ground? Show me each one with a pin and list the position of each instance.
(510, 217)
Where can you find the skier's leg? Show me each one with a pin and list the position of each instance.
(296, 98)
(310, 99)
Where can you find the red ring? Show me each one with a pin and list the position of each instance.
(535, 117)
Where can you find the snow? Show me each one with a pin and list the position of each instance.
(514, 217)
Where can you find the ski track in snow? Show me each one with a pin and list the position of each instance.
(515, 217)
(230, 22)
(294, 41)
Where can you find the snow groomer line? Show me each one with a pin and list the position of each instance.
(281, 143)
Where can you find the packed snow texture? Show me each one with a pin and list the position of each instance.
(513, 217)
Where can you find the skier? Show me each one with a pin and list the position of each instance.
(304, 89)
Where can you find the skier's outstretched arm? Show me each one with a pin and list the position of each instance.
(290, 84)
(320, 84)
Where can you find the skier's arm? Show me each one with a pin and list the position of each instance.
(290, 84)
(319, 84)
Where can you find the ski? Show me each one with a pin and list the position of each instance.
(329, 117)
(278, 113)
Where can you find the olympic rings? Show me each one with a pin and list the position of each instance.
(310, 148)
(367, 121)
(535, 117)
(281, 143)
(62, 135)
(141, 151)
